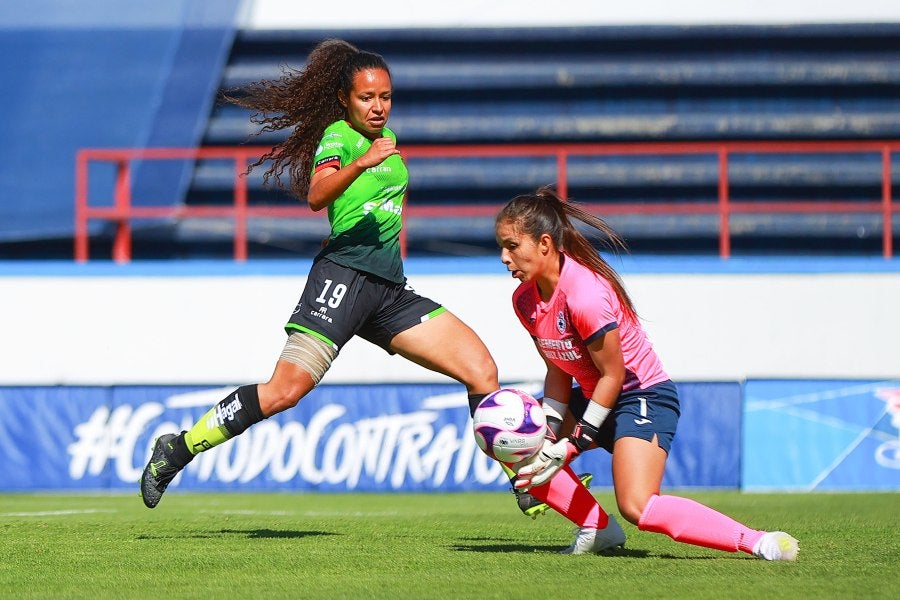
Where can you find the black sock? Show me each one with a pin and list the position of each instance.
(180, 454)
(474, 401)
(243, 413)
(230, 417)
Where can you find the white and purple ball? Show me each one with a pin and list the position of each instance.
(509, 425)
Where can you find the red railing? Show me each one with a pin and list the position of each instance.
(122, 212)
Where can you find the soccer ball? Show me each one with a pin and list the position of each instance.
(509, 425)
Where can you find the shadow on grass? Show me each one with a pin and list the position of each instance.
(723, 555)
(499, 546)
(248, 533)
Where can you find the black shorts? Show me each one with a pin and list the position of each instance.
(339, 302)
(638, 413)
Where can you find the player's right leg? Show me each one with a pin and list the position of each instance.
(172, 452)
(312, 345)
(249, 404)
(528, 504)
(598, 531)
(594, 540)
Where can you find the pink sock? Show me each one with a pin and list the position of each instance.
(567, 496)
(690, 522)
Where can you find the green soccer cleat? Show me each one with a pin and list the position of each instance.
(160, 471)
(532, 507)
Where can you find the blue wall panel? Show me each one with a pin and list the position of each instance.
(822, 435)
(340, 438)
(114, 77)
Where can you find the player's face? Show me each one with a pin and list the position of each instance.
(525, 258)
(369, 102)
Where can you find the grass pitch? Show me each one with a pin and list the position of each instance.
(423, 546)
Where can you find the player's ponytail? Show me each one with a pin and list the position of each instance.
(544, 211)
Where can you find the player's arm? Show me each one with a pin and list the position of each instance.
(557, 391)
(606, 354)
(330, 182)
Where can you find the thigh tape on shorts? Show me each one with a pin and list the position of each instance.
(310, 353)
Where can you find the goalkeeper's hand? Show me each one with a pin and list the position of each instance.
(524, 468)
(553, 456)
(540, 468)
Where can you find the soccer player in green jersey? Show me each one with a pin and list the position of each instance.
(340, 155)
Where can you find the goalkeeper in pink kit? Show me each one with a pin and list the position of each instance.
(585, 327)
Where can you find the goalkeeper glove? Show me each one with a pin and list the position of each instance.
(553, 456)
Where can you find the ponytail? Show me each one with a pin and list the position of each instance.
(544, 211)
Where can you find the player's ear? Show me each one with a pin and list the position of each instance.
(545, 243)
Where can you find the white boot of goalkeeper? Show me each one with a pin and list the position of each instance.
(593, 540)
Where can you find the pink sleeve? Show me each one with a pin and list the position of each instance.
(592, 307)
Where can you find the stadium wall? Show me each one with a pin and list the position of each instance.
(785, 368)
(101, 73)
(214, 323)
(274, 14)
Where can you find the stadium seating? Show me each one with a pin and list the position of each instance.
(621, 84)
(490, 86)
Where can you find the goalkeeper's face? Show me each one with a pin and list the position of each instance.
(526, 258)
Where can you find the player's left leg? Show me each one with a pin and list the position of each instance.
(444, 344)
(638, 467)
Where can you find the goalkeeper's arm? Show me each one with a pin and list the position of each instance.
(606, 354)
(557, 391)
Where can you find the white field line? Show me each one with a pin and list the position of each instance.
(57, 513)
(304, 513)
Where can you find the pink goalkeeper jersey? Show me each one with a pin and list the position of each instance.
(584, 306)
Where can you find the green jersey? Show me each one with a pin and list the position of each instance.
(366, 218)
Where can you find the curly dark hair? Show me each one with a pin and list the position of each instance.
(305, 100)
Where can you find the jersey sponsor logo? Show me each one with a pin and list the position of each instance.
(330, 146)
(224, 413)
(559, 349)
(382, 168)
(328, 159)
(321, 313)
(385, 205)
(564, 344)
